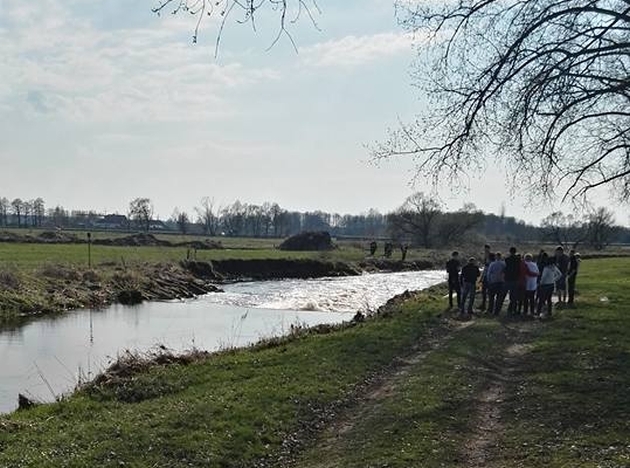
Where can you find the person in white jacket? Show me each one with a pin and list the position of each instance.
(548, 278)
(531, 284)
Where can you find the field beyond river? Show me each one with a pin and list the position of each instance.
(409, 386)
(50, 273)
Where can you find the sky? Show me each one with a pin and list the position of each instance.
(104, 101)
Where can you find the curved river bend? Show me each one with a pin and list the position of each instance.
(47, 357)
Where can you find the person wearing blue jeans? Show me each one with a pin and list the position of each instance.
(494, 277)
(512, 270)
(470, 273)
(484, 276)
(550, 274)
(454, 286)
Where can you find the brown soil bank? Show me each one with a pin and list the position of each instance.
(149, 240)
(55, 288)
(395, 265)
(267, 269)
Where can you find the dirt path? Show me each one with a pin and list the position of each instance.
(485, 423)
(379, 391)
(386, 386)
(477, 451)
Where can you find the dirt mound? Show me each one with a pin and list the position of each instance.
(396, 265)
(309, 240)
(265, 269)
(201, 245)
(135, 240)
(58, 237)
(46, 237)
(10, 237)
(149, 240)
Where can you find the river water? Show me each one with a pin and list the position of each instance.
(48, 357)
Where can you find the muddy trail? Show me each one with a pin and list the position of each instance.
(478, 429)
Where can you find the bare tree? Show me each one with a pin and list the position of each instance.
(207, 216)
(416, 218)
(27, 212)
(564, 230)
(59, 216)
(455, 227)
(540, 85)
(39, 211)
(279, 220)
(244, 11)
(141, 212)
(601, 227)
(4, 210)
(182, 221)
(17, 205)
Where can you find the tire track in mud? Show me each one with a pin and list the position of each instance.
(381, 389)
(387, 386)
(487, 425)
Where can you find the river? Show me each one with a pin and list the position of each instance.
(49, 356)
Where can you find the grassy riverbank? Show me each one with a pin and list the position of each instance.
(405, 389)
(50, 278)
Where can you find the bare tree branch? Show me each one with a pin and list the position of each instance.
(542, 86)
(287, 11)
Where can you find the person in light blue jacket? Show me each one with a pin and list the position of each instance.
(495, 278)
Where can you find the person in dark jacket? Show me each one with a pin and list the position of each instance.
(574, 264)
(484, 277)
(562, 262)
(452, 269)
(470, 274)
(512, 271)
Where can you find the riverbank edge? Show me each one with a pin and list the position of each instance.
(177, 426)
(131, 379)
(56, 289)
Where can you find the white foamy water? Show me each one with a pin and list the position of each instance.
(44, 359)
(345, 294)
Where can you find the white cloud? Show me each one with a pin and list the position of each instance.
(61, 63)
(352, 51)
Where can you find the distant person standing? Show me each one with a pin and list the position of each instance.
(574, 264)
(562, 263)
(484, 277)
(388, 249)
(470, 273)
(403, 251)
(548, 279)
(452, 269)
(531, 285)
(373, 247)
(512, 270)
(496, 271)
(540, 263)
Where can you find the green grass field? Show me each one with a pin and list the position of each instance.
(32, 255)
(407, 389)
(22, 255)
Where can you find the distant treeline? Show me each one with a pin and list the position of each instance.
(419, 221)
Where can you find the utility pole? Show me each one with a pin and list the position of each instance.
(89, 239)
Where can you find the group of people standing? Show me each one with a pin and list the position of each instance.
(528, 284)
